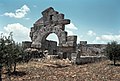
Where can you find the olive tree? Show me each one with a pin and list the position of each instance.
(113, 51)
(9, 53)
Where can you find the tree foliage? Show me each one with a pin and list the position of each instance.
(113, 51)
(9, 52)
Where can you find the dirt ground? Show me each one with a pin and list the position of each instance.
(63, 70)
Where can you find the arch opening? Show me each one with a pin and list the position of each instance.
(51, 43)
(53, 37)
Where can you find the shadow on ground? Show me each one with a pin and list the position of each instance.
(58, 66)
(114, 65)
(19, 73)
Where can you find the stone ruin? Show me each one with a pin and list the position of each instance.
(54, 22)
(91, 49)
(90, 52)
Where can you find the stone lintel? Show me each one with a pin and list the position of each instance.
(64, 21)
(47, 10)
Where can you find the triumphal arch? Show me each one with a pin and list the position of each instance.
(52, 22)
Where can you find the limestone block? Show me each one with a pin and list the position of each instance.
(55, 18)
(39, 22)
(72, 38)
(48, 10)
(55, 13)
(71, 43)
(64, 21)
(83, 42)
(65, 45)
(60, 16)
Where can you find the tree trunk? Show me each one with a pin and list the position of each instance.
(8, 71)
(114, 60)
(14, 67)
(0, 73)
(8, 74)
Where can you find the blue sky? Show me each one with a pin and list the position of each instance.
(96, 21)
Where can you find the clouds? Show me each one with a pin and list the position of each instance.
(20, 32)
(102, 38)
(71, 26)
(92, 36)
(91, 33)
(19, 13)
(109, 37)
(70, 32)
(105, 38)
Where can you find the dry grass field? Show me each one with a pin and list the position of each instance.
(57, 70)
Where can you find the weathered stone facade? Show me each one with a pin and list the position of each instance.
(51, 22)
(91, 49)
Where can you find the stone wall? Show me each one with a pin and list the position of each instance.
(91, 49)
(51, 46)
(72, 41)
(86, 59)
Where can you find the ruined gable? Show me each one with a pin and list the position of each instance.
(52, 22)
